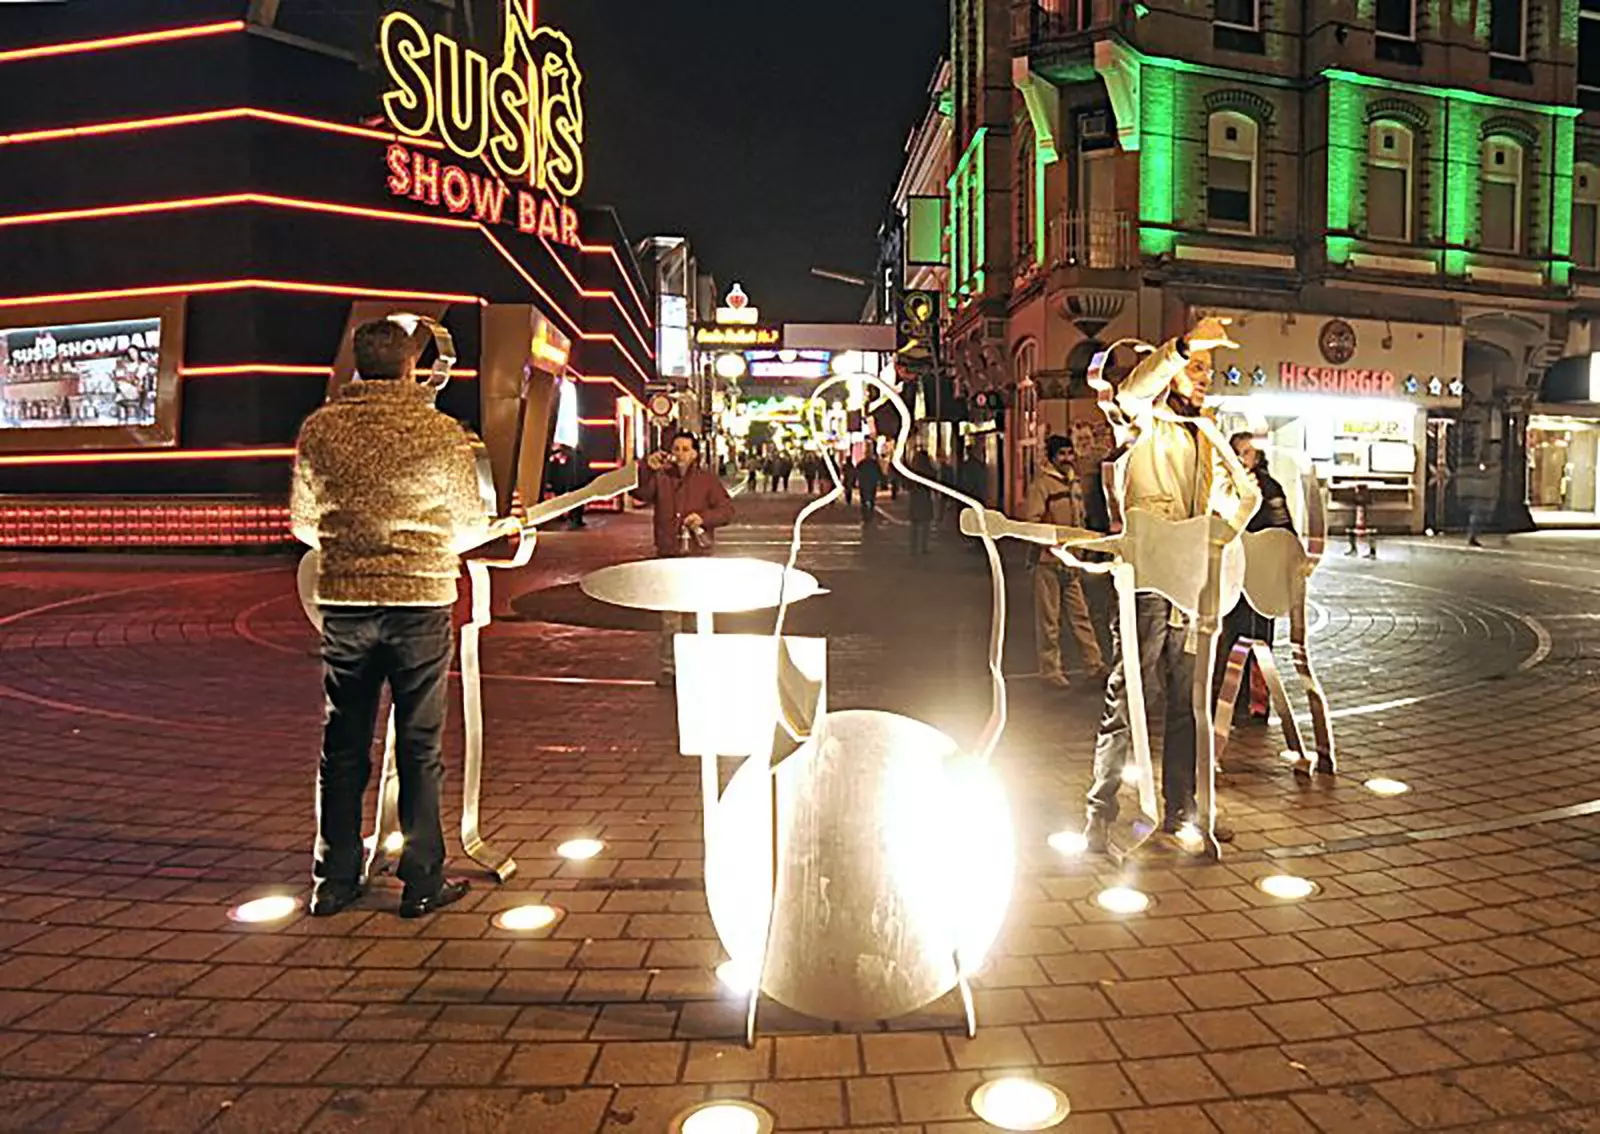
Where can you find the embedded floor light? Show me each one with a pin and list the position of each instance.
(526, 919)
(1384, 786)
(1121, 900)
(1020, 1104)
(1286, 887)
(736, 976)
(1289, 756)
(1130, 774)
(1189, 838)
(726, 1116)
(1068, 842)
(580, 849)
(394, 842)
(262, 910)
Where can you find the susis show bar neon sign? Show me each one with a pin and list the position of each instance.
(423, 178)
(524, 118)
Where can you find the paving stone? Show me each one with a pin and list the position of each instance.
(1432, 983)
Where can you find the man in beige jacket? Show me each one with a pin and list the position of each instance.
(1056, 497)
(1173, 471)
(387, 488)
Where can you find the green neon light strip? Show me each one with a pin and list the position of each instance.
(1039, 167)
(1454, 94)
(1561, 192)
(1347, 149)
(1160, 89)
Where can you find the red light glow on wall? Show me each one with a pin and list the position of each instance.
(138, 39)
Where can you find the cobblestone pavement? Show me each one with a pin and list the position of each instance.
(160, 728)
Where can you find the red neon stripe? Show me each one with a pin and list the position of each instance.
(610, 249)
(598, 294)
(254, 368)
(605, 464)
(202, 116)
(602, 380)
(138, 39)
(100, 212)
(237, 285)
(141, 457)
(598, 422)
(282, 368)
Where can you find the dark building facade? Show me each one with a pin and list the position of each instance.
(245, 183)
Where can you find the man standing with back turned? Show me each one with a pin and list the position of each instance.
(386, 487)
(1172, 471)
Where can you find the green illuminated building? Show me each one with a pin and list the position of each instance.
(1395, 187)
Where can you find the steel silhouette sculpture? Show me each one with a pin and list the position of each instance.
(1278, 567)
(859, 864)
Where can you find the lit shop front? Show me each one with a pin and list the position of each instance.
(1351, 398)
(165, 330)
(1564, 445)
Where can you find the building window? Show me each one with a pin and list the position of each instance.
(1396, 18)
(1390, 205)
(1586, 215)
(1027, 204)
(1231, 173)
(1239, 14)
(1508, 28)
(1501, 204)
(1589, 54)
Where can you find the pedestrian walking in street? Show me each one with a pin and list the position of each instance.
(1361, 522)
(847, 475)
(869, 479)
(1477, 492)
(921, 500)
(690, 505)
(1172, 472)
(386, 488)
(1056, 497)
(1244, 621)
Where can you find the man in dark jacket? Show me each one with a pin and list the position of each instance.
(690, 504)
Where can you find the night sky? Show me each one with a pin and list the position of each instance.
(771, 134)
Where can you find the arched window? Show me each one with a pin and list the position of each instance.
(1501, 192)
(1025, 362)
(1231, 142)
(1390, 183)
(1586, 214)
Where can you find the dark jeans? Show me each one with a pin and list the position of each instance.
(363, 648)
(1164, 667)
(920, 531)
(869, 504)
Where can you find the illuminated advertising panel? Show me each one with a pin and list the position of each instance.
(91, 381)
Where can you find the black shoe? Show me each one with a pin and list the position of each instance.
(329, 898)
(448, 894)
(1097, 836)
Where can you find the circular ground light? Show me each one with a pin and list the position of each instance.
(263, 911)
(580, 850)
(1020, 1104)
(726, 1116)
(1286, 887)
(526, 919)
(394, 842)
(1122, 900)
(1068, 842)
(1385, 786)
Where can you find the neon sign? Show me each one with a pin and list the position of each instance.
(421, 177)
(738, 336)
(523, 118)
